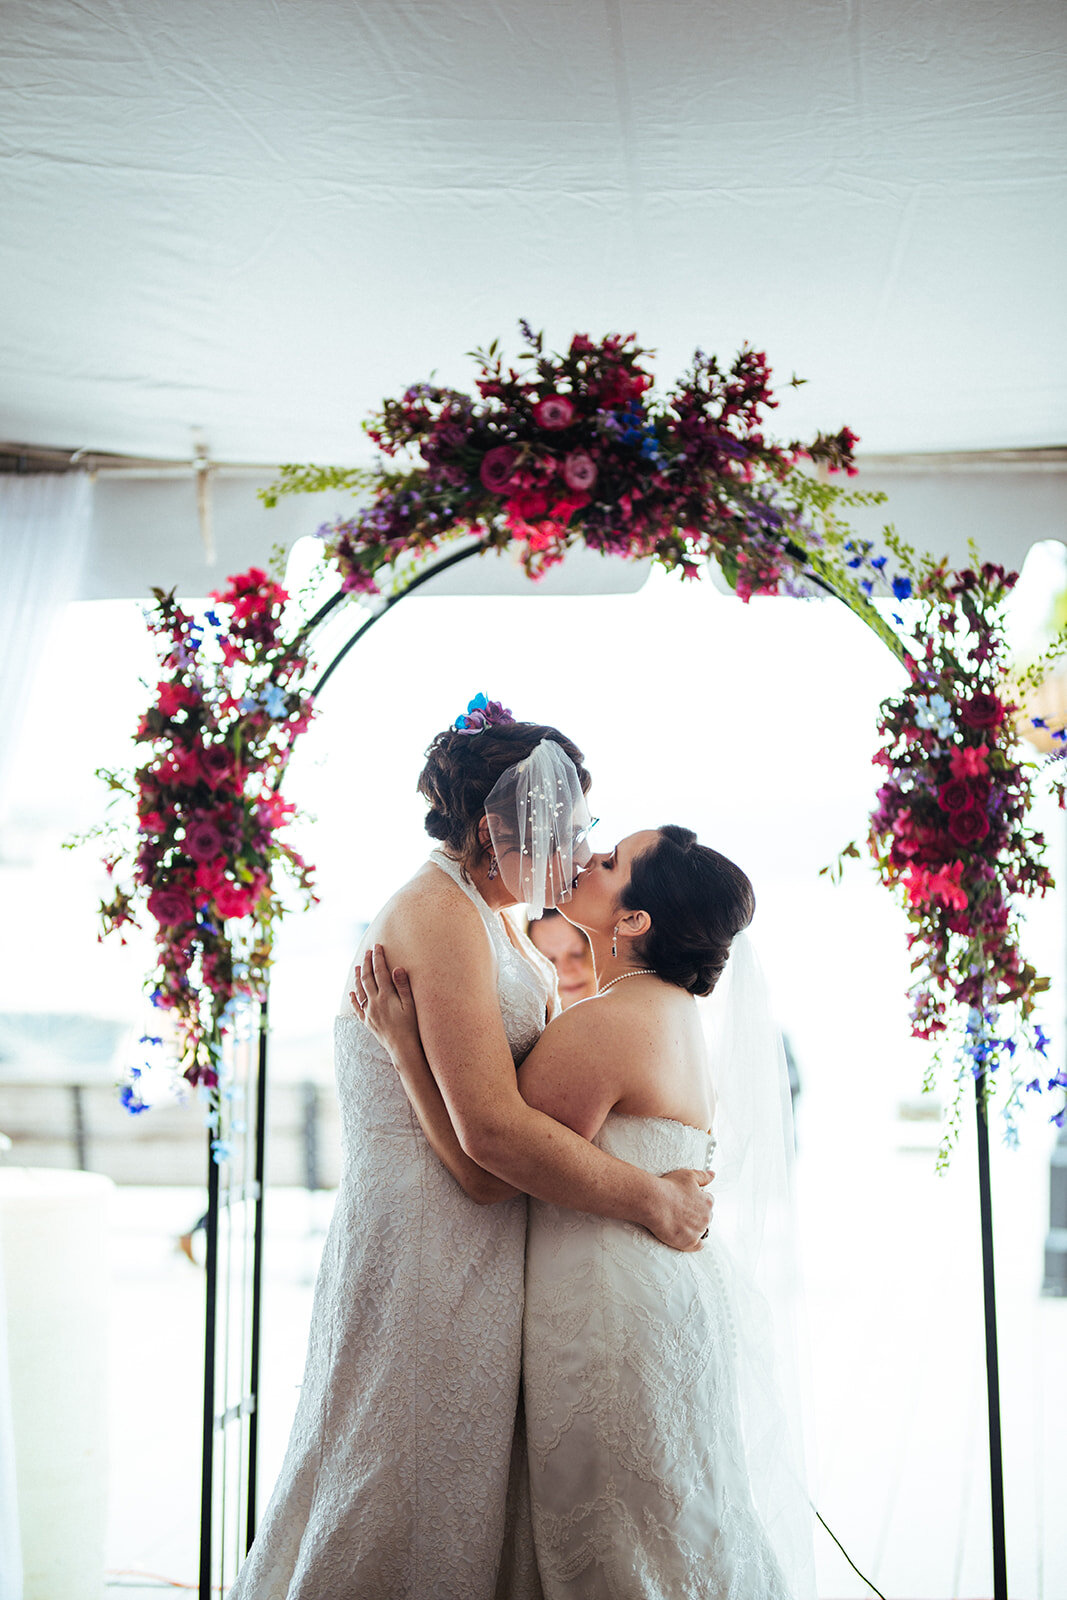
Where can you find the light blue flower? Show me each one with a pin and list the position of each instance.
(275, 702)
(934, 713)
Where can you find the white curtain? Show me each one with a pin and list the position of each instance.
(10, 1542)
(45, 523)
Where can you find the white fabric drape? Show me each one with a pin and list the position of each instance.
(45, 522)
(10, 1541)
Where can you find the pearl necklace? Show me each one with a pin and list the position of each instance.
(636, 973)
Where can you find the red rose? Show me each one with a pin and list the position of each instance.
(982, 711)
(554, 411)
(579, 471)
(955, 795)
(498, 468)
(967, 827)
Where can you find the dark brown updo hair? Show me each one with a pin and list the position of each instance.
(698, 901)
(462, 768)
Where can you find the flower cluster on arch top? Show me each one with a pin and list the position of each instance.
(549, 452)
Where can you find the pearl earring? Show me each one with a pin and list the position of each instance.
(614, 940)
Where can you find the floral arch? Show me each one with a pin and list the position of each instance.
(547, 453)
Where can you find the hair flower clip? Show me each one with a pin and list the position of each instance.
(481, 714)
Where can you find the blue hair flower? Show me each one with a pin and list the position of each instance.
(482, 713)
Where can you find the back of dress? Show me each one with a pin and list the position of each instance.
(638, 1465)
(402, 1479)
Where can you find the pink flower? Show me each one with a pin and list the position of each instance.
(497, 468)
(943, 886)
(171, 697)
(970, 761)
(233, 901)
(170, 906)
(579, 471)
(528, 505)
(554, 411)
(208, 874)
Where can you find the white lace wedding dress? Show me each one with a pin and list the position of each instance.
(405, 1475)
(638, 1471)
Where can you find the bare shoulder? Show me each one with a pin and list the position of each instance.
(429, 913)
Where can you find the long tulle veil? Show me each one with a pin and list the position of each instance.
(755, 1220)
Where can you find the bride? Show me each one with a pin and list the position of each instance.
(633, 1354)
(405, 1475)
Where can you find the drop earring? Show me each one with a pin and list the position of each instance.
(493, 868)
(614, 940)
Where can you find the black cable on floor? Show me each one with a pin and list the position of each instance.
(847, 1557)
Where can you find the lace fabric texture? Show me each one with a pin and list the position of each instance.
(637, 1457)
(405, 1475)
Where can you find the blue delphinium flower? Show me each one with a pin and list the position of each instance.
(901, 588)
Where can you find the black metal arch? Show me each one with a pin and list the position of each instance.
(214, 1425)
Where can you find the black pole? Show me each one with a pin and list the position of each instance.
(211, 1229)
(257, 1271)
(394, 599)
(996, 1462)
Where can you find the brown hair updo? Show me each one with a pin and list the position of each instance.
(462, 768)
(698, 901)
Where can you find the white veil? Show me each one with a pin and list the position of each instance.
(755, 1221)
(538, 823)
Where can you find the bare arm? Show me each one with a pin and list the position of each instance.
(386, 1005)
(467, 1053)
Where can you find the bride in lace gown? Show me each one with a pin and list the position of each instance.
(639, 1459)
(404, 1477)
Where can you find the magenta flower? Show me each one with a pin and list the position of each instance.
(498, 468)
(554, 411)
(170, 906)
(579, 470)
(203, 841)
(217, 763)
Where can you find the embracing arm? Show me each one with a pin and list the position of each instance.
(385, 1000)
(467, 1053)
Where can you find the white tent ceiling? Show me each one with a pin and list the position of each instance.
(244, 223)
